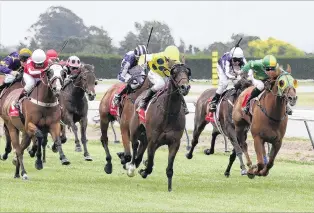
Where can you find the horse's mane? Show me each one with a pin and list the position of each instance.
(88, 67)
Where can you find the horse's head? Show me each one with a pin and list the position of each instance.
(55, 78)
(87, 80)
(180, 75)
(286, 86)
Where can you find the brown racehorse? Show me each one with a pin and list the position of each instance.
(40, 113)
(121, 114)
(267, 119)
(164, 123)
(16, 84)
(223, 123)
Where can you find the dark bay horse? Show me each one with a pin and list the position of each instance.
(222, 123)
(40, 113)
(122, 114)
(164, 123)
(267, 119)
(74, 105)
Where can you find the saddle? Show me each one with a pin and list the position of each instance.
(210, 115)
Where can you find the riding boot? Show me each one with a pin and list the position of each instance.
(185, 107)
(289, 110)
(144, 102)
(23, 94)
(214, 103)
(254, 94)
(117, 97)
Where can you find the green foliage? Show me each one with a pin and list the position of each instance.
(260, 48)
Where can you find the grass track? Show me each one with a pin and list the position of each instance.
(198, 185)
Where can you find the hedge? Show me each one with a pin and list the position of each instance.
(107, 66)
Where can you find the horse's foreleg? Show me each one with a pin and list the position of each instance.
(32, 150)
(83, 124)
(211, 150)
(14, 135)
(259, 147)
(44, 144)
(241, 138)
(63, 136)
(151, 149)
(273, 153)
(237, 149)
(173, 149)
(8, 146)
(54, 130)
(126, 144)
(104, 123)
(39, 136)
(141, 149)
(198, 128)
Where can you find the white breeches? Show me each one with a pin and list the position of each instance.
(9, 78)
(29, 82)
(257, 83)
(223, 80)
(158, 81)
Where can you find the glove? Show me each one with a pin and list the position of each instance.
(14, 73)
(238, 77)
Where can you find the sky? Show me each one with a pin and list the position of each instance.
(199, 23)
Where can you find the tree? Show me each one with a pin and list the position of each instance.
(59, 24)
(182, 46)
(260, 48)
(98, 41)
(129, 43)
(160, 38)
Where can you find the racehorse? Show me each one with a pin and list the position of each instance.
(108, 113)
(267, 118)
(16, 84)
(74, 105)
(39, 113)
(163, 124)
(221, 121)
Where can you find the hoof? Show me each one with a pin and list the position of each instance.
(4, 157)
(170, 190)
(143, 173)
(116, 141)
(63, 139)
(31, 153)
(108, 168)
(14, 161)
(251, 176)
(25, 177)
(17, 176)
(65, 161)
(88, 158)
(78, 149)
(227, 174)
(54, 148)
(189, 156)
(208, 152)
(38, 165)
(243, 172)
(131, 170)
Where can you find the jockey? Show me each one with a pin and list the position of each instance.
(159, 65)
(227, 65)
(257, 71)
(52, 55)
(72, 69)
(129, 61)
(33, 69)
(11, 65)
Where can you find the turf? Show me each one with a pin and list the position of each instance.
(198, 185)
